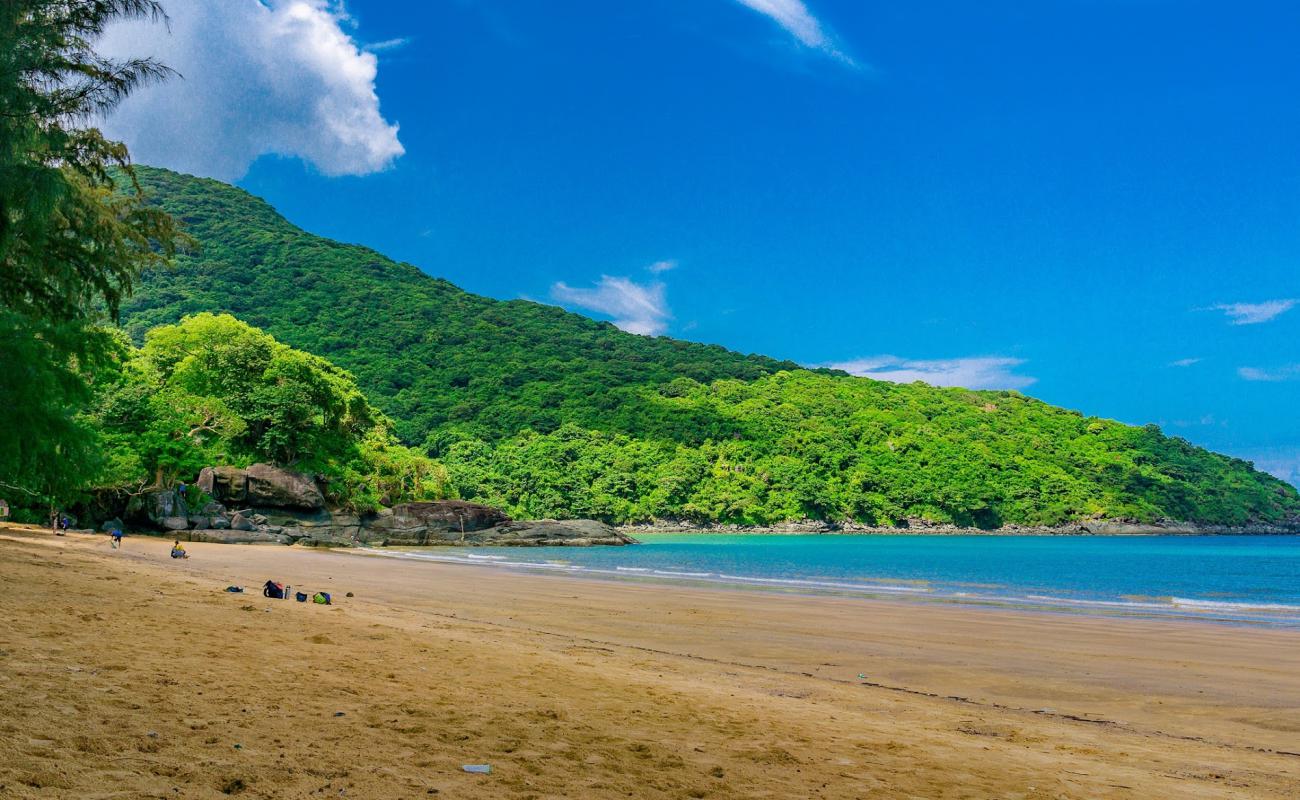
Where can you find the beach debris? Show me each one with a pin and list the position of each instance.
(861, 677)
(479, 769)
(238, 746)
(349, 594)
(339, 714)
(235, 589)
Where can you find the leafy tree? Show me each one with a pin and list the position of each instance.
(213, 390)
(68, 238)
(71, 243)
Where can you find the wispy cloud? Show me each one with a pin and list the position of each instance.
(1184, 362)
(1281, 462)
(1289, 372)
(388, 44)
(662, 266)
(634, 307)
(798, 21)
(977, 372)
(1254, 313)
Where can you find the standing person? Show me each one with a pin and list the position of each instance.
(116, 533)
(63, 525)
(54, 521)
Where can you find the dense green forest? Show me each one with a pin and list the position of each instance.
(548, 413)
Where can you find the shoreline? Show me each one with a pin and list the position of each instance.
(1099, 528)
(603, 689)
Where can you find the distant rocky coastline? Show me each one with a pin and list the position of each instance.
(925, 528)
(263, 504)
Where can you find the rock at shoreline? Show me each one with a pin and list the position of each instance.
(553, 533)
(438, 522)
(236, 537)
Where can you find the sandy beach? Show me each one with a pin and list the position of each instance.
(125, 674)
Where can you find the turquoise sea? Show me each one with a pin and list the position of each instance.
(1242, 579)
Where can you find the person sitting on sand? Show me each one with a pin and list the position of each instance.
(178, 551)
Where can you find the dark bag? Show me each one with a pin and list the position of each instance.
(273, 590)
(301, 597)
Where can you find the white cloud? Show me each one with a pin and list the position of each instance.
(635, 307)
(662, 266)
(978, 372)
(1254, 313)
(798, 21)
(282, 77)
(1184, 362)
(1287, 373)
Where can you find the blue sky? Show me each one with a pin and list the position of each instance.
(1095, 201)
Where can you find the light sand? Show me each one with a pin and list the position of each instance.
(126, 674)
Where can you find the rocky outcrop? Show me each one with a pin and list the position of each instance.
(439, 522)
(261, 485)
(274, 505)
(235, 537)
(165, 509)
(553, 533)
(281, 488)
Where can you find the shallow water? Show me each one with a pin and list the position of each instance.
(1246, 579)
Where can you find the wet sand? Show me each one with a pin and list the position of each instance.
(126, 674)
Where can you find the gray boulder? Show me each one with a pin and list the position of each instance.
(163, 505)
(237, 537)
(223, 483)
(263, 486)
(220, 524)
(239, 522)
(281, 488)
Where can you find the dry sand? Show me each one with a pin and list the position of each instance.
(125, 674)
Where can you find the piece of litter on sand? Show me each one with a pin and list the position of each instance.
(481, 769)
(338, 713)
(861, 676)
(239, 747)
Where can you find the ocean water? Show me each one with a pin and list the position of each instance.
(1240, 579)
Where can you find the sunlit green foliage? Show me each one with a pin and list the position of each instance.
(547, 413)
(803, 445)
(213, 390)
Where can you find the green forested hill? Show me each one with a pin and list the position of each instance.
(548, 413)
